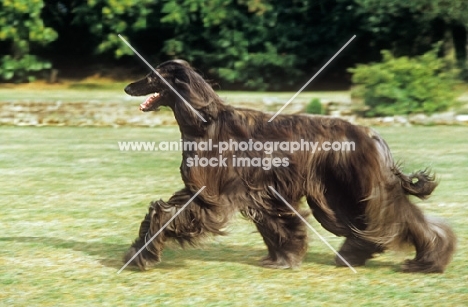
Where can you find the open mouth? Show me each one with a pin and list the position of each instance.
(150, 103)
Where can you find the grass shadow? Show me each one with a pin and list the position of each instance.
(106, 252)
(111, 255)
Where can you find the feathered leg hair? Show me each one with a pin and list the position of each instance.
(393, 220)
(197, 220)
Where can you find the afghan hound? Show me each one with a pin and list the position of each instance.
(360, 194)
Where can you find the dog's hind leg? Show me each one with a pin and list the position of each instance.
(402, 223)
(285, 236)
(357, 251)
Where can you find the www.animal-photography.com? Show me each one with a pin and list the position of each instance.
(233, 153)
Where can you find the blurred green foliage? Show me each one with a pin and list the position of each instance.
(25, 68)
(108, 18)
(404, 85)
(254, 44)
(314, 107)
(21, 26)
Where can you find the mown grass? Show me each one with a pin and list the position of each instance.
(72, 204)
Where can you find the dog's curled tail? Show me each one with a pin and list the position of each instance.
(420, 184)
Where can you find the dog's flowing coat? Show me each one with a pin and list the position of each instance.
(361, 194)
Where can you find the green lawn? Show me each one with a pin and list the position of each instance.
(71, 204)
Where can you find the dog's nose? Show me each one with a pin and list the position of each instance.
(127, 89)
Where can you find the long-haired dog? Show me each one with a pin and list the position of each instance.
(359, 194)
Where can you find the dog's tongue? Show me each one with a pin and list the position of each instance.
(147, 105)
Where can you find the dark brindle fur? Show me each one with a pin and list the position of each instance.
(361, 195)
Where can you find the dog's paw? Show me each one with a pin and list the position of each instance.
(414, 266)
(279, 263)
(134, 259)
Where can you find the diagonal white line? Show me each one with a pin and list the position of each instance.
(162, 228)
(167, 83)
(311, 79)
(312, 228)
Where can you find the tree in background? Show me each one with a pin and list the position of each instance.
(412, 27)
(256, 44)
(259, 44)
(108, 18)
(21, 30)
(88, 31)
(230, 39)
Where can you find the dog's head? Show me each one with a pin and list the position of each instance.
(175, 72)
